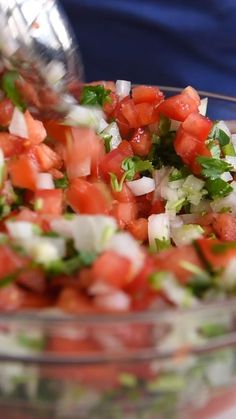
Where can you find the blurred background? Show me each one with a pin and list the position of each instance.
(164, 42)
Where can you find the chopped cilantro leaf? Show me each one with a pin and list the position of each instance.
(164, 126)
(222, 137)
(223, 247)
(229, 150)
(163, 153)
(61, 183)
(213, 168)
(9, 87)
(218, 188)
(71, 265)
(107, 142)
(94, 95)
(162, 244)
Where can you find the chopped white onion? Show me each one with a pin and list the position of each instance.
(233, 138)
(45, 181)
(141, 186)
(54, 72)
(186, 234)
(102, 125)
(177, 294)
(62, 226)
(18, 125)
(158, 227)
(228, 202)
(228, 277)
(117, 300)
(123, 88)
(92, 232)
(46, 249)
(20, 229)
(112, 130)
(226, 176)
(174, 125)
(125, 245)
(189, 218)
(203, 106)
(231, 160)
(88, 116)
(203, 206)
(222, 126)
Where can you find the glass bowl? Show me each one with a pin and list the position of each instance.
(148, 365)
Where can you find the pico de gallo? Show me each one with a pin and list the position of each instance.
(127, 202)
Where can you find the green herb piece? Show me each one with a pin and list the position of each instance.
(128, 380)
(200, 284)
(178, 174)
(163, 153)
(135, 164)
(214, 148)
(9, 86)
(229, 150)
(62, 183)
(115, 184)
(5, 209)
(36, 344)
(107, 142)
(7, 280)
(223, 247)
(222, 137)
(38, 204)
(94, 95)
(71, 265)
(162, 244)
(218, 188)
(211, 330)
(164, 126)
(213, 168)
(156, 279)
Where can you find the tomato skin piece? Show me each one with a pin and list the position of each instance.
(170, 260)
(129, 112)
(147, 114)
(139, 229)
(23, 171)
(72, 300)
(11, 298)
(86, 198)
(216, 260)
(141, 142)
(224, 225)
(6, 112)
(51, 201)
(112, 269)
(178, 107)
(147, 94)
(11, 145)
(158, 207)
(189, 90)
(124, 212)
(110, 105)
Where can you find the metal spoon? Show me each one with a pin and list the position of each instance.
(36, 40)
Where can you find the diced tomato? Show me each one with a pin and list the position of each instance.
(10, 261)
(124, 212)
(32, 279)
(111, 162)
(190, 140)
(82, 149)
(147, 114)
(189, 90)
(72, 301)
(11, 145)
(113, 269)
(46, 158)
(86, 198)
(23, 171)
(50, 201)
(144, 206)
(141, 142)
(198, 126)
(125, 195)
(57, 131)
(170, 260)
(129, 112)
(28, 92)
(224, 225)
(158, 206)
(6, 112)
(216, 253)
(11, 298)
(36, 130)
(178, 107)
(148, 94)
(139, 229)
(110, 105)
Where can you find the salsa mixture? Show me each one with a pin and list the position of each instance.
(127, 203)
